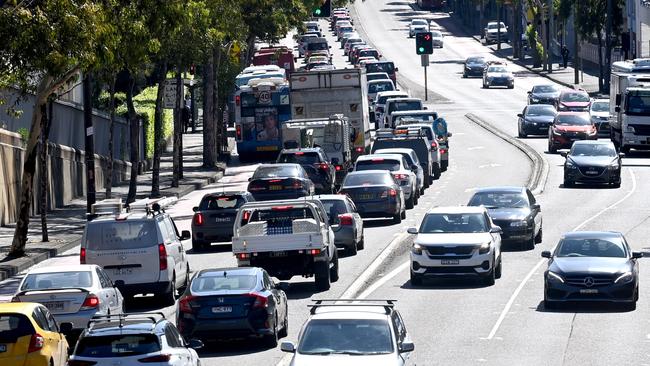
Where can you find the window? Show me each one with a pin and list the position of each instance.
(14, 326)
(103, 280)
(216, 281)
(354, 336)
(172, 337)
(112, 235)
(223, 202)
(454, 223)
(51, 323)
(42, 281)
(40, 319)
(400, 330)
(119, 345)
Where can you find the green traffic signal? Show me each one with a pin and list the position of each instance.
(317, 11)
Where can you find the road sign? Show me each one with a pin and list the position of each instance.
(169, 95)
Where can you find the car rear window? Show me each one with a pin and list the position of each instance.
(119, 345)
(14, 326)
(335, 207)
(575, 97)
(380, 87)
(275, 172)
(300, 158)
(377, 164)
(110, 235)
(367, 179)
(281, 214)
(42, 281)
(315, 45)
(387, 67)
(405, 106)
(221, 202)
(383, 99)
(213, 282)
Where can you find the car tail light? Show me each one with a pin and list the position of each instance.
(247, 215)
(237, 100)
(36, 343)
(275, 180)
(359, 149)
(162, 256)
(238, 132)
(261, 302)
(313, 251)
(198, 219)
(281, 208)
(392, 192)
(82, 256)
(401, 176)
(81, 363)
(296, 185)
(434, 145)
(377, 159)
(442, 151)
(158, 358)
(345, 219)
(184, 304)
(337, 168)
(91, 302)
(322, 166)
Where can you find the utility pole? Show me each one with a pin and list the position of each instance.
(90, 141)
(608, 45)
(576, 46)
(549, 38)
(498, 26)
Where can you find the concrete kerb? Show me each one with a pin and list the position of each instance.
(540, 169)
(15, 266)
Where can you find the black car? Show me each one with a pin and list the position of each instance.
(474, 66)
(515, 210)
(592, 266)
(214, 218)
(535, 120)
(316, 164)
(592, 162)
(280, 181)
(544, 94)
(375, 193)
(224, 303)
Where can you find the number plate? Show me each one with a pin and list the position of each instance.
(3, 348)
(592, 172)
(223, 219)
(447, 262)
(222, 309)
(589, 291)
(367, 196)
(54, 305)
(267, 148)
(275, 188)
(279, 254)
(122, 271)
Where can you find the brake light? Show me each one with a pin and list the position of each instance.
(82, 256)
(442, 151)
(359, 149)
(434, 145)
(36, 343)
(275, 180)
(296, 185)
(378, 159)
(158, 358)
(247, 215)
(238, 132)
(392, 192)
(345, 219)
(322, 166)
(243, 256)
(91, 302)
(162, 257)
(261, 302)
(337, 168)
(300, 153)
(184, 304)
(198, 219)
(314, 251)
(237, 100)
(401, 176)
(281, 208)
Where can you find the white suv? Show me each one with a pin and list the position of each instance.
(141, 250)
(456, 241)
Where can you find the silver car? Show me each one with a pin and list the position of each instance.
(73, 294)
(345, 221)
(411, 158)
(398, 167)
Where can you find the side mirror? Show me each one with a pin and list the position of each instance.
(250, 179)
(195, 344)
(637, 255)
(65, 327)
(564, 154)
(185, 234)
(396, 69)
(412, 230)
(536, 206)
(621, 155)
(529, 92)
(288, 347)
(520, 115)
(350, 169)
(195, 209)
(546, 254)
(448, 134)
(414, 168)
(496, 230)
(425, 108)
(617, 109)
(406, 346)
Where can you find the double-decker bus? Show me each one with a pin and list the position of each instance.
(261, 107)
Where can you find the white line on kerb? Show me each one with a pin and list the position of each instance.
(512, 299)
(384, 279)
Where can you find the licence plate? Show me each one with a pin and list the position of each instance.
(222, 309)
(122, 271)
(592, 172)
(3, 348)
(447, 262)
(365, 196)
(589, 291)
(275, 188)
(267, 148)
(54, 305)
(223, 219)
(279, 254)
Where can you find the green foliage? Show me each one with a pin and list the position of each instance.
(24, 133)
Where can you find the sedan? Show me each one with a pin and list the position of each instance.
(573, 100)
(377, 76)
(544, 94)
(375, 193)
(498, 74)
(569, 127)
(592, 162)
(515, 210)
(599, 113)
(214, 218)
(73, 294)
(437, 39)
(280, 181)
(398, 166)
(345, 222)
(378, 86)
(417, 26)
(233, 302)
(592, 266)
(474, 66)
(535, 120)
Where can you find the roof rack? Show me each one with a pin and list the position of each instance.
(387, 304)
(151, 317)
(152, 206)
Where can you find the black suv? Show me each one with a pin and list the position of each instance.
(317, 165)
(214, 218)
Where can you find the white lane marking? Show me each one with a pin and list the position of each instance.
(475, 148)
(384, 279)
(471, 189)
(512, 299)
(491, 165)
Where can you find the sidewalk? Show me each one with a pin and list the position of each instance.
(65, 225)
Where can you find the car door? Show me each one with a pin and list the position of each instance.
(106, 297)
(110, 292)
(55, 343)
(278, 295)
(358, 221)
(537, 212)
(400, 336)
(174, 249)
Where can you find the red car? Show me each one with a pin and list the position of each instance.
(573, 100)
(568, 127)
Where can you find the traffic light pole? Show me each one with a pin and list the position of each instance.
(425, 63)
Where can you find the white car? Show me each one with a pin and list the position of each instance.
(599, 114)
(498, 75)
(456, 241)
(73, 294)
(380, 104)
(412, 159)
(398, 167)
(492, 32)
(378, 86)
(417, 26)
(437, 38)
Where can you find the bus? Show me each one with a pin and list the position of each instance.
(261, 107)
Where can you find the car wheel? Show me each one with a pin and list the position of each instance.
(497, 270)
(568, 183)
(169, 297)
(198, 246)
(361, 244)
(539, 237)
(464, 75)
(322, 275)
(403, 215)
(436, 171)
(271, 340)
(489, 278)
(485, 86)
(552, 148)
(617, 184)
(521, 133)
(334, 270)
(416, 279)
(511, 86)
(352, 249)
(397, 218)
(410, 203)
(529, 244)
(550, 305)
(285, 327)
(416, 199)
(444, 165)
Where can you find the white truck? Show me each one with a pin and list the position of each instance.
(319, 94)
(287, 238)
(629, 104)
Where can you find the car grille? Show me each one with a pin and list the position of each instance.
(592, 171)
(450, 270)
(574, 135)
(641, 130)
(598, 280)
(456, 250)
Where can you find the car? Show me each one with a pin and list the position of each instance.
(544, 94)
(400, 104)
(591, 266)
(342, 30)
(280, 181)
(411, 159)
(592, 162)
(367, 52)
(377, 76)
(317, 165)
(380, 105)
(316, 44)
(397, 165)
(72, 294)
(456, 241)
(494, 30)
(474, 66)
(312, 25)
(319, 65)
(416, 140)
(417, 26)
(353, 54)
(535, 119)
(383, 66)
(498, 75)
(350, 42)
(363, 61)
(568, 127)
(427, 130)
(348, 35)
(225, 303)
(141, 250)
(571, 100)
(214, 217)
(378, 86)
(599, 113)
(437, 38)
(317, 58)
(345, 221)
(29, 335)
(367, 332)
(515, 210)
(375, 193)
(134, 339)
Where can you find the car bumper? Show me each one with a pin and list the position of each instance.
(344, 237)
(606, 176)
(225, 328)
(535, 128)
(213, 234)
(613, 292)
(377, 209)
(550, 101)
(79, 320)
(476, 265)
(144, 288)
(500, 82)
(474, 71)
(563, 141)
(516, 235)
(633, 140)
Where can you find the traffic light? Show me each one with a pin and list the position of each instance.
(423, 43)
(324, 10)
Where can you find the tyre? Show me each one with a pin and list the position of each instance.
(334, 270)
(361, 244)
(410, 203)
(529, 244)
(397, 218)
(568, 183)
(416, 199)
(489, 278)
(444, 165)
(198, 246)
(436, 171)
(416, 279)
(497, 270)
(464, 75)
(271, 340)
(485, 86)
(539, 236)
(285, 327)
(352, 249)
(552, 149)
(322, 275)
(521, 134)
(427, 181)
(617, 184)
(403, 215)
(550, 305)
(168, 298)
(511, 86)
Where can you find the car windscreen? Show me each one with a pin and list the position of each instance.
(42, 281)
(346, 29)
(405, 106)
(367, 179)
(118, 345)
(352, 41)
(593, 150)
(275, 172)
(211, 282)
(476, 60)
(499, 199)
(575, 97)
(407, 156)
(347, 336)
(377, 164)
(538, 110)
(600, 106)
(111, 235)
(592, 247)
(387, 67)
(281, 214)
(224, 202)
(419, 22)
(307, 158)
(499, 69)
(454, 223)
(14, 326)
(436, 34)
(380, 87)
(572, 120)
(545, 89)
(314, 46)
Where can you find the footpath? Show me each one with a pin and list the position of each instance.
(65, 225)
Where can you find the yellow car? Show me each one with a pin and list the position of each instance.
(29, 336)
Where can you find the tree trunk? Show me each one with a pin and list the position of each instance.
(135, 141)
(209, 148)
(46, 120)
(608, 45)
(111, 132)
(89, 145)
(178, 129)
(218, 121)
(158, 130)
(601, 71)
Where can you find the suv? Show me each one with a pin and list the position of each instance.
(498, 74)
(141, 249)
(372, 331)
(317, 165)
(414, 164)
(400, 104)
(456, 241)
(133, 339)
(492, 32)
(398, 167)
(214, 217)
(379, 105)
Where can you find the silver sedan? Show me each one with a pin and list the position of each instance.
(345, 221)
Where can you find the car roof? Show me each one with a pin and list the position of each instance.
(501, 189)
(226, 193)
(242, 271)
(338, 197)
(395, 150)
(278, 165)
(422, 111)
(591, 234)
(25, 308)
(68, 268)
(456, 209)
(565, 113)
(377, 73)
(351, 312)
(383, 156)
(404, 99)
(359, 172)
(303, 149)
(593, 142)
(568, 90)
(391, 92)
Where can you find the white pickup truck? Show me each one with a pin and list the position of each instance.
(287, 238)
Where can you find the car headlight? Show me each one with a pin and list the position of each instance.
(416, 249)
(570, 165)
(613, 166)
(535, 100)
(626, 277)
(520, 223)
(554, 277)
(556, 133)
(484, 248)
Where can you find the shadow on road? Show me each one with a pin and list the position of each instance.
(585, 308)
(445, 284)
(229, 348)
